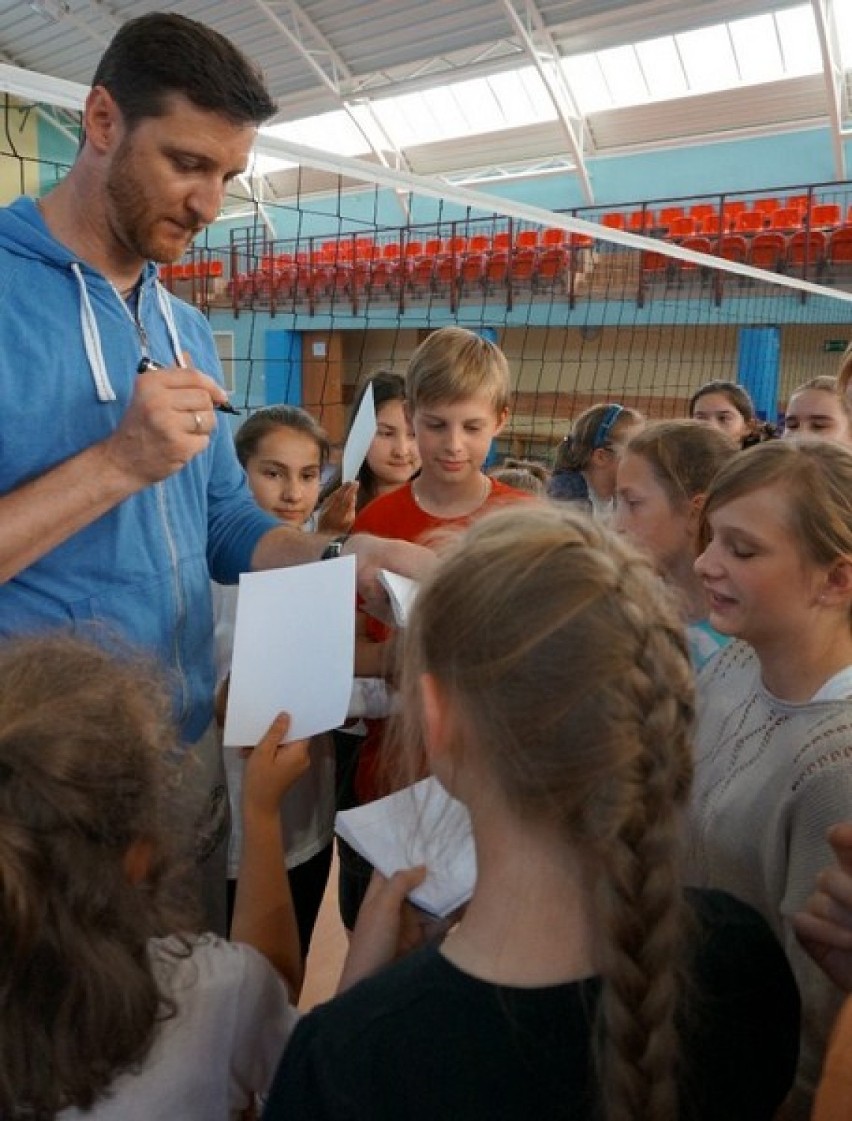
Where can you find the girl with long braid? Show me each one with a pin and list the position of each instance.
(547, 686)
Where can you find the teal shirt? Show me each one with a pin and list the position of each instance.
(703, 642)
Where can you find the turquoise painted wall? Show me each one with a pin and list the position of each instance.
(755, 164)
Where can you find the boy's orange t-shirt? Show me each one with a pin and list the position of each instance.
(397, 515)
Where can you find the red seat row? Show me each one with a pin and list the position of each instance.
(793, 213)
(192, 270)
(420, 269)
(811, 251)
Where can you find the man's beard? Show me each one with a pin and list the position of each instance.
(132, 218)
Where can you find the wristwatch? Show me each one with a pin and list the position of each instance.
(335, 547)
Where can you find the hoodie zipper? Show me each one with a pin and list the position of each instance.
(171, 546)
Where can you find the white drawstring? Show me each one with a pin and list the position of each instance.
(92, 340)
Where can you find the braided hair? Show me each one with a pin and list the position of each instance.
(568, 664)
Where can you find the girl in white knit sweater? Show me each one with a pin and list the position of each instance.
(774, 730)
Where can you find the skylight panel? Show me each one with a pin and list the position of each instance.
(478, 106)
(843, 19)
(587, 82)
(265, 165)
(333, 132)
(522, 97)
(445, 117)
(404, 118)
(623, 76)
(763, 48)
(542, 107)
(420, 118)
(757, 49)
(708, 59)
(662, 68)
(799, 40)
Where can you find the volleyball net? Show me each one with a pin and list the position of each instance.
(324, 270)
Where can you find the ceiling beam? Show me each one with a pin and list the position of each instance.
(309, 42)
(833, 74)
(541, 49)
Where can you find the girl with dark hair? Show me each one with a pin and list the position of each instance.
(392, 458)
(728, 407)
(114, 1007)
(587, 459)
(283, 451)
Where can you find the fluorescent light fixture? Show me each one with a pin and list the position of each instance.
(54, 11)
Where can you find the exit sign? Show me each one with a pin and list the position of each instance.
(834, 346)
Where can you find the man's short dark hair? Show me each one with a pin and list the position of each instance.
(159, 54)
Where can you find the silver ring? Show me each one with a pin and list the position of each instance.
(199, 424)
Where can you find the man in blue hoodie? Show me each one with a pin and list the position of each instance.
(120, 493)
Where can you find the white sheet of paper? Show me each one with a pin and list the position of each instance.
(294, 649)
(419, 825)
(360, 437)
(401, 592)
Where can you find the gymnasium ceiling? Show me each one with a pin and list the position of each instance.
(321, 56)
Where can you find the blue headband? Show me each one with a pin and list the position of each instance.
(605, 427)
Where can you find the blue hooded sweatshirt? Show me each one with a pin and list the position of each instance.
(69, 352)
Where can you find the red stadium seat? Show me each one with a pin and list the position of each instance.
(701, 210)
(640, 221)
(527, 239)
(806, 251)
(552, 236)
(767, 250)
(733, 247)
(839, 250)
(750, 221)
(787, 218)
(615, 220)
(683, 227)
(825, 216)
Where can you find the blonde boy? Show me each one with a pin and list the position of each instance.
(457, 392)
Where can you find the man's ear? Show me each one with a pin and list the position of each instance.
(502, 417)
(102, 120)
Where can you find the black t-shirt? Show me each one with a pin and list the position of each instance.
(425, 1040)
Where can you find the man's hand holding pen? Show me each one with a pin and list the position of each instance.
(148, 364)
(167, 423)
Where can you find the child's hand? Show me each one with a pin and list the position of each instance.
(825, 926)
(337, 513)
(376, 553)
(389, 927)
(272, 768)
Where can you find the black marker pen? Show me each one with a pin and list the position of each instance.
(146, 364)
